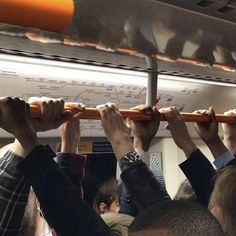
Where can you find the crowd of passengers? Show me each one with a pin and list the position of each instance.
(41, 191)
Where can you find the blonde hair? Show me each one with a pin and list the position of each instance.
(224, 197)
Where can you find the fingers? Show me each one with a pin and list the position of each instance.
(204, 112)
(75, 106)
(128, 122)
(172, 116)
(171, 113)
(58, 109)
(209, 112)
(51, 109)
(156, 113)
(143, 108)
(212, 114)
(231, 112)
(67, 115)
(167, 126)
(14, 115)
(75, 109)
(15, 103)
(107, 108)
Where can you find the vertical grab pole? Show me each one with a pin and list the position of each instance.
(152, 81)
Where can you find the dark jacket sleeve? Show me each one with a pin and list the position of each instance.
(73, 166)
(233, 162)
(127, 204)
(199, 171)
(143, 186)
(59, 199)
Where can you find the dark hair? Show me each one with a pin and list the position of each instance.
(183, 218)
(186, 192)
(107, 194)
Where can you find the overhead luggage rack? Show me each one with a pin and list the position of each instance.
(192, 39)
(224, 9)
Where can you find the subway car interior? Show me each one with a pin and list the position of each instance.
(163, 53)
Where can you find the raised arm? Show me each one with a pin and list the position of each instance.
(229, 131)
(60, 200)
(143, 132)
(196, 168)
(69, 159)
(135, 174)
(179, 131)
(14, 188)
(208, 132)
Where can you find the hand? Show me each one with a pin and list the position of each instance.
(15, 119)
(115, 129)
(178, 130)
(144, 131)
(52, 113)
(229, 131)
(70, 132)
(14, 115)
(208, 131)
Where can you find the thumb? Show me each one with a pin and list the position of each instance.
(129, 122)
(167, 126)
(212, 114)
(67, 115)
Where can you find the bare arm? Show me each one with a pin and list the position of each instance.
(208, 132)
(179, 130)
(229, 131)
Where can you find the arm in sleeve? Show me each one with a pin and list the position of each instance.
(140, 182)
(199, 171)
(14, 195)
(60, 200)
(127, 205)
(72, 165)
(223, 160)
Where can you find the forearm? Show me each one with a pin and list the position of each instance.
(230, 144)
(24, 143)
(217, 147)
(70, 146)
(73, 165)
(199, 172)
(139, 180)
(122, 146)
(188, 148)
(59, 198)
(142, 143)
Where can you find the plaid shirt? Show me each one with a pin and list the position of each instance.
(14, 190)
(13, 195)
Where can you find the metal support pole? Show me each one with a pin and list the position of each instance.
(152, 81)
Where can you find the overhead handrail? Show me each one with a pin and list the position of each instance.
(93, 114)
(49, 15)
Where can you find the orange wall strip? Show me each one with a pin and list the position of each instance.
(49, 15)
(92, 113)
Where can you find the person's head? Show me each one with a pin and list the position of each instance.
(186, 192)
(222, 202)
(107, 199)
(175, 218)
(33, 220)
